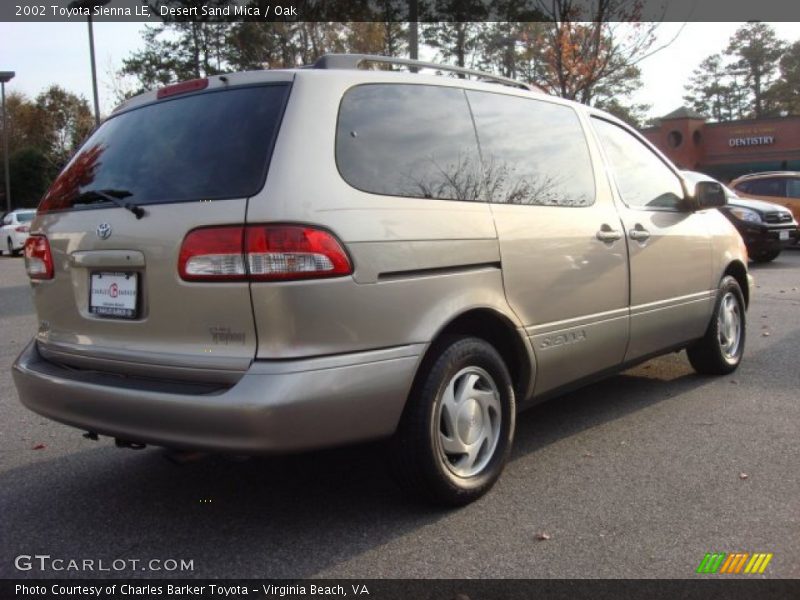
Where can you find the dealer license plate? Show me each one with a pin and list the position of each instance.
(114, 295)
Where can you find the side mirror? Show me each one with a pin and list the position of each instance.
(709, 194)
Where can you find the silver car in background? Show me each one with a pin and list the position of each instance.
(277, 261)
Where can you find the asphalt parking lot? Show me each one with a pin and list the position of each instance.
(636, 476)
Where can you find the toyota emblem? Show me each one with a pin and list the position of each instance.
(103, 231)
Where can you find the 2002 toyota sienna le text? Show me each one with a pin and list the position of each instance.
(283, 260)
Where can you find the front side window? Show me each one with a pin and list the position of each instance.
(25, 217)
(642, 178)
(534, 152)
(408, 140)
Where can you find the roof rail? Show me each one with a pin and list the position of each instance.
(353, 61)
(765, 173)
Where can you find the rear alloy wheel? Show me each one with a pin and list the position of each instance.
(720, 351)
(456, 433)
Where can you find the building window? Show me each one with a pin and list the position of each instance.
(674, 139)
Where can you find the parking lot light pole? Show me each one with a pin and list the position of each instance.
(90, 5)
(6, 76)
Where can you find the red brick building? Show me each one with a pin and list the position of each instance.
(727, 150)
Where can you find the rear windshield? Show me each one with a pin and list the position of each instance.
(211, 145)
(25, 217)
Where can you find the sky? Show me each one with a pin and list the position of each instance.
(46, 53)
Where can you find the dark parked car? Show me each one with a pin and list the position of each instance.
(766, 228)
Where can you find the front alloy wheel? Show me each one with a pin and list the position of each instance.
(720, 350)
(729, 326)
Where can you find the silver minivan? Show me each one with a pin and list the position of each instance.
(276, 261)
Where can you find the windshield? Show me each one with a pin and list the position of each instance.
(206, 146)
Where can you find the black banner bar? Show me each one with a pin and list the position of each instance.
(711, 588)
(395, 10)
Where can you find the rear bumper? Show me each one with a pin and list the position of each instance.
(277, 406)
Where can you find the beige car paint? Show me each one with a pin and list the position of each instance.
(576, 305)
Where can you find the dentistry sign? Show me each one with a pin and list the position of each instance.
(752, 136)
(756, 140)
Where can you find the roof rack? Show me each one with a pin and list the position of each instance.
(353, 61)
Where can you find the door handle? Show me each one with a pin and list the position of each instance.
(639, 233)
(608, 235)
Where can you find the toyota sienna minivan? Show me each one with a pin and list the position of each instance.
(276, 261)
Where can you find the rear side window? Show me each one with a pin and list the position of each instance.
(25, 217)
(793, 188)
(533, 152)
(211, 145)
(642, 178)
(408, 140)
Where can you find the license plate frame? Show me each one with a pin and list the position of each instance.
(114, 300)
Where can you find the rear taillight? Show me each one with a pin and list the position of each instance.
(261, 253)
(38, 258)
(22, 229)
(213, 254)
(293, 252)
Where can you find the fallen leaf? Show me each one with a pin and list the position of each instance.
(39, 447)
(743, 476)
(588, 455)
(734, 382)
(543, 535)
(765, 334)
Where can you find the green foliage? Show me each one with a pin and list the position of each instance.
(67, 120)
(711, 91)
(786, 91)
(42, 135)
(31, 173)
(633, 114)
(748, 84)
(756, 50)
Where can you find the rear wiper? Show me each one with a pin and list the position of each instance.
(109, 195)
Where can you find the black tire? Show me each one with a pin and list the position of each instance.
(707, 355)
(10, 247)
(766, 257)
(416, 451)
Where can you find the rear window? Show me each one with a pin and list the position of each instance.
(25, 217)
(211, 145)
(408, 140)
